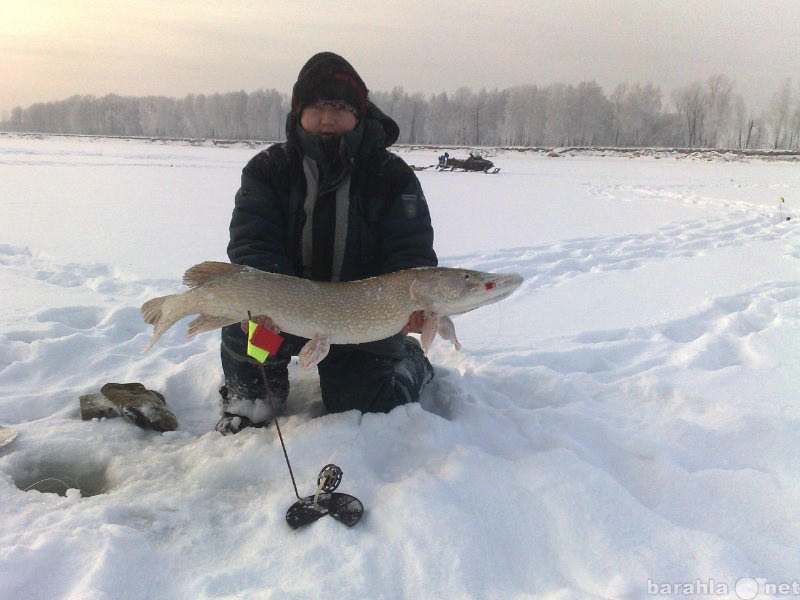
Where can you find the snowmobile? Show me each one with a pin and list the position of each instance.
(472, 163)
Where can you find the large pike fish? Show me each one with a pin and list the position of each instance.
(327, 313)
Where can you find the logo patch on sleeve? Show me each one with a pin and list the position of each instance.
(410, 206)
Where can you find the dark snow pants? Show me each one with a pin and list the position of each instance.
(349, 377)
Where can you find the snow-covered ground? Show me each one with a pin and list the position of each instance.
(624, 426)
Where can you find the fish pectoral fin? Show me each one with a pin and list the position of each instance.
(314, 351)
(429, 328)
(447, 330)
(205, 323)
(441, 324)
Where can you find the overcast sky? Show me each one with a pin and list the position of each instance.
(52, 49)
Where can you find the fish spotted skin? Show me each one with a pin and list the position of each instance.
(327, 313)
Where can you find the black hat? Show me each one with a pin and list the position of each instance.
(329, 78)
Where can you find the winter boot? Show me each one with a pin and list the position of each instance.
(243, 398)
(240, 410)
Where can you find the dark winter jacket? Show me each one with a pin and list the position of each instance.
(387, 227)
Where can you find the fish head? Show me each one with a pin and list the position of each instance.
(448, 291)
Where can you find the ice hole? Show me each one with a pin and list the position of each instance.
(57, 477)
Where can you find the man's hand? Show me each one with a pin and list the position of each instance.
(262, 320)
(415, 323)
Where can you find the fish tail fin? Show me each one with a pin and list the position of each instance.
(162, 313)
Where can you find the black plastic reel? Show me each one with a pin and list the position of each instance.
(344, 508)
(329, 478)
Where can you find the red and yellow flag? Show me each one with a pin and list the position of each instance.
(261, 342)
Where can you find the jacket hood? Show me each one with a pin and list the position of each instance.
(329, 77)
(390, 128)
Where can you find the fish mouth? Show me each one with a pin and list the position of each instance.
(493, 289)
(508, 280)
(502, 285)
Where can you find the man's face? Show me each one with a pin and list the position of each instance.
(325, 120)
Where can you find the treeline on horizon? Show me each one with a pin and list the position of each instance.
(705, 114)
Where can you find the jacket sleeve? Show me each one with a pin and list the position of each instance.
(405, 231)
(258, 227)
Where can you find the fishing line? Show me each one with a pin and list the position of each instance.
(343, 507)
(275, 418)
(278, 428)
(494, 339)
(56, 479)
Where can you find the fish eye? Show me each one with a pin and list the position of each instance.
(466, 275)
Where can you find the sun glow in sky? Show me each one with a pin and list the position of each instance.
(53, 49)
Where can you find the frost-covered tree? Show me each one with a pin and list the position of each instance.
(719, 94)
(744, 123)
(691, 104)
(578, 115)
(410, 111)
(779, 112)
(525, 116)
(703, 113)
(794, 125)
(641, 110)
